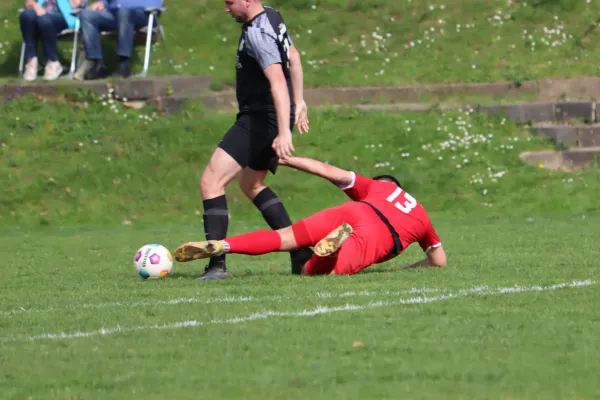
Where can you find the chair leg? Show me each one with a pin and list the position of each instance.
(74, 56)
(22, 61)
(163, 38)
(144, 72)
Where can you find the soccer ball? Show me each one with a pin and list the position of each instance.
(153, 261)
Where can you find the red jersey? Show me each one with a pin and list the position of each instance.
(404, 212)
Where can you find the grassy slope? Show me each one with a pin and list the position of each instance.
(375, 42)
(60, 166)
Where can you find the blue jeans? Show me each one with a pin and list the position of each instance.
(45, 28)
(124, 21)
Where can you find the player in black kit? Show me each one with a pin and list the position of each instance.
(269, 85)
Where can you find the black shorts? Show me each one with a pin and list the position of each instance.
(249, 140)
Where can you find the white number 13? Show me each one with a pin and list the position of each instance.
(405, 206)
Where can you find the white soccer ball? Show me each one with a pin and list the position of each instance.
(153, 261)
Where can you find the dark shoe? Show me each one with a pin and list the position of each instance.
(216, 272)
(96, 71)
(299, 258)
(123, 70)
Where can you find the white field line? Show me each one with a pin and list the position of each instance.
(306, 313)
(200, 300)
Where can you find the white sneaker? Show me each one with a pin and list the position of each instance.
(31, 69)
(52, 70)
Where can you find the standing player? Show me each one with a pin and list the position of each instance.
(378, 225)
(269, 86)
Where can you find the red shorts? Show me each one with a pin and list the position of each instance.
(370, 240)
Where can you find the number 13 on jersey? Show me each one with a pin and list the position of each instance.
(405, 204)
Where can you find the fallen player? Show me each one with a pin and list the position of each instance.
(378, 225)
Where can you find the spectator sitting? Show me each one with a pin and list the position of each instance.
(43, 20)
(123, 16)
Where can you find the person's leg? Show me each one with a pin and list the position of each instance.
(230, 157)
(30, 34)
(49, 25)
(263, 130)
(129, 21)
(221, 170)
(352, 257)
(272, 209)
(304, 233)
(92, 23)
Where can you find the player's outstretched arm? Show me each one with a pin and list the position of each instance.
(335, 175)
(297, 75)
(436, 257)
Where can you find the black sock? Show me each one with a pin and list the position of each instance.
(216, 222)
(272, 209)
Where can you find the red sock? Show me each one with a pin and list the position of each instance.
(255, 243)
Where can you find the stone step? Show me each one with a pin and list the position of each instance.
(570, 135)
(132, 88)
(564, 160)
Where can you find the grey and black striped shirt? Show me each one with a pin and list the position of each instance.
(264, 41)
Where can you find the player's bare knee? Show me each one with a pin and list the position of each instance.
(211, 185)
(251, 188)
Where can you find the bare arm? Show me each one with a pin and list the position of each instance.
(297, 76)
(281, 97)
(335, 175)
(436, 257)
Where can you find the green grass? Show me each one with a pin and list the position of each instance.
(68, 166)
(530, 345)
(374, 42)
(72, 177)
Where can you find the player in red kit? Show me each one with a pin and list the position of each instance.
(379, 224)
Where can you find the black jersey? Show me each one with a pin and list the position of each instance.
(264, 41)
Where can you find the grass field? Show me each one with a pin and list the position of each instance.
(513, 316)
(493, 325)
(375, 42)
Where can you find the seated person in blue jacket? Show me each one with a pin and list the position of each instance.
(123, 16)
(41, 21)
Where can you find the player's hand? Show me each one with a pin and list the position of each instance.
(301, 117)
(283, 145)
(97, 6)
(39, 10)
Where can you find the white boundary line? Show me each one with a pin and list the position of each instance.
(200, 300)
(306, 313)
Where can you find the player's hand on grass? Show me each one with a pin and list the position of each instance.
(283, 145)
(302, 117)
